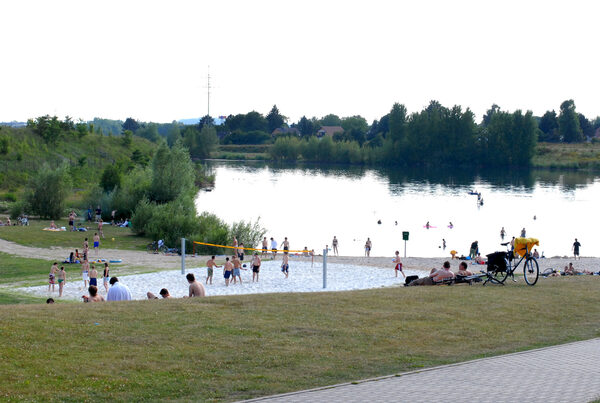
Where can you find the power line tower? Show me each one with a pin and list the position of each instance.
(208, 92)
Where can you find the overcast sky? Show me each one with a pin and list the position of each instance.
(149, 59)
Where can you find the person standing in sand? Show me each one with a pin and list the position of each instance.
(105, 276)
(62, 278)
(52, 276)
(94, 276)
(210, 263)
(285, 266)
(286, 245)
(368, 246)
(85, 269)
(334, 243)
(196, 288)
(227, 271)
(237, 267)
(264, 247)
(398, 267)
(274, 247)
(235, 246)
(255, 267)
(96, 243)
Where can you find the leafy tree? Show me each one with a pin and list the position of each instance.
(488, 115)
(172, 173)
(82, 129)
(173, 134)
(274, 119)
(248, 233)
(111, 178)
(549, 127)
(130, 124)
(568, 123)
(200, 143)
(355, 128)
(134, 187)
(285, 149)
(127, 138)
(253, 137)
(48, 191)
(4, 145)
(48, 128)
(306, 126)
(234, 122)
(254, 121)
(331, 120)
(138, 158)
(108, 126)
(586, 126)
(149, 132)
(206, 121)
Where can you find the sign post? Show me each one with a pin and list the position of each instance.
(405, 238)
(325, 266)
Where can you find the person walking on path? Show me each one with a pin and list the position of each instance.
(334, 243)
(62, 278)
(52, 276)
(255, 267)
(398, 267)
(368, 246)
(96, 243)
(85, 269)
(210, 263)
(576, 246)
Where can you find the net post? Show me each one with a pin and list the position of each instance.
(325, 267)
(182, 255)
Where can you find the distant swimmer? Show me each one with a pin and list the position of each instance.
(378, 221)
(534, 217)
(450, 225)
(444, 243)
(502, 233)
(334, 243)
(427, 225)
(395, 222)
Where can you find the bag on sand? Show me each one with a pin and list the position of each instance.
(409, 279)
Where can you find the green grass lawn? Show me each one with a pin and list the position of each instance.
(33, 235)
(235, 347)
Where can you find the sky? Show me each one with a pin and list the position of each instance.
(150, 59)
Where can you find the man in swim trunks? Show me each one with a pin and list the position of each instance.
(93, 276)
(264, 246)
(368, 246)
(100, 225)
(96, 243)
(98, 213)
(398, 267)
(241, 251)
(227, 271)
(285, 266)
(237, 266)
(235, 246)
(72, 216)
(286, 245)
(334, 243)
(62, 277)
(576, 246)
(85, 268)
(274, 247)
(52, 276)
(255, 267)
(86, 248)
(210, 263)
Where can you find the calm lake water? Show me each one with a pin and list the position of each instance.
(310, 205)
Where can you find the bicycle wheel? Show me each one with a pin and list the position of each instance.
(498, 274)
(531, 271)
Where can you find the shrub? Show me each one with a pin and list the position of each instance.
(285, 149)
(4, 145)
(48, 191)
(211, 229)
(172, 173)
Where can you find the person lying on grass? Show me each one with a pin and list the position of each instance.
(435, 276)
(163, 293)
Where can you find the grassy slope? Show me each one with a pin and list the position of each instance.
(228, 348)
(99, 151)
(33, 235)
(572, 156)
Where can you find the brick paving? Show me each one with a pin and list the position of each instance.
(564, 373)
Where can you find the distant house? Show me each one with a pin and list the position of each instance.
(329, 131)
(286, 130)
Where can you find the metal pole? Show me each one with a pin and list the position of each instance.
(182, 255)
(405, 249)
(325, 267)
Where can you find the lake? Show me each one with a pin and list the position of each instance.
(310, 204)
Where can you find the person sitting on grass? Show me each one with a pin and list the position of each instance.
(163, 293)
(53, 225)
(435, 276)
(479, 259)
(571, 271)
(94, 296)
(462, 270)
(196, 288)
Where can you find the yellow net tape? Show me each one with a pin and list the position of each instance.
(260, 250)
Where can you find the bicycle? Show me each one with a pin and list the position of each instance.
(501, 265)
(156, 247)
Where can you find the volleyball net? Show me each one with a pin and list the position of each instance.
(306, 252)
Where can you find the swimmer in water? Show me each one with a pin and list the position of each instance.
(427, 225)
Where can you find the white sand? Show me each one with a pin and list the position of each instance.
(302, 278)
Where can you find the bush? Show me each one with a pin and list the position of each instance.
(211, 229)
(4, 145)
(285, 149)
(248, 233)
(111, 178)
(252, 137)
(134, 188)
(48, 191)
(11, 197)
(172, 173)
(17, 208)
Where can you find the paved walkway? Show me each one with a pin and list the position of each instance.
(565, 373)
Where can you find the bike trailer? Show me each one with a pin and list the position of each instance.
(496, 261)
